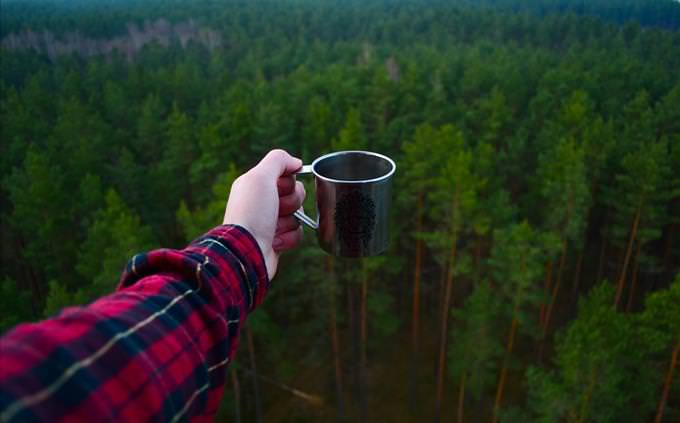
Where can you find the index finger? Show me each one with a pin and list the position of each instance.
(278, 163)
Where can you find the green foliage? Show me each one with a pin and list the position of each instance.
(202, 219)
(517, 260)
(115, 235)
(660, 320)
(384, 322)
(351, 136)
(15, 305)
(265, 327)
(500, 123)
(475, 341)
(316, 130)
(39, 200)
(490, 118)
(457, 184)
(453, 197)
(562, 174)
(419, 161)
(150, 128)
(600, 374)
(59, 297)
(642, 188)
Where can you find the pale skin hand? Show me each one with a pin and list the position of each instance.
(263, 200)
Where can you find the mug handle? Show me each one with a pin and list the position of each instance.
(300, 214)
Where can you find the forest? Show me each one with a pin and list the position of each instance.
(534, 267)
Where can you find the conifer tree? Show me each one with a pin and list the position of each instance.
(516, 258)
(564, 189)
(39, 200)
(475, 347)
(59, 297)
(641, 192)
(317, 129)
(660, 323)
(150, 128)
(203, 218)
(561, 184)
(15, 303)
(213, 154)
(115, 235)
(352, 135)
(601, 370)
(455, 193)
(419, 166)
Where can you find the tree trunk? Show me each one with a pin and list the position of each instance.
(415, 321)
(633, 284)
(546, 290)
(461, 397)
(629, 250)
(335, 342)
(556, 289)
(256, 382)
(312, 399)
(364, 338)
(442, 288)
(237, 394)
(587, 397)
(440, 297)
(667, 383)
(444, 329)
(504, 369)
(354, 335)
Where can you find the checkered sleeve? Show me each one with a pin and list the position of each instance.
(155, 350)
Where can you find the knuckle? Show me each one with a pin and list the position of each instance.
(278, 154)
(237, 182)
(254, 176)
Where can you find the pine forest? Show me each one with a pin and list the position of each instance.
(533, 272)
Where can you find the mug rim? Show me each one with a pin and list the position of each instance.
(360, 181)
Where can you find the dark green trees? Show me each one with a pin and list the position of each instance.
(115, 235)
(532, 152)
(476, 347)
(516, 258)
(455, 196)
(660, 323)
(606, 361)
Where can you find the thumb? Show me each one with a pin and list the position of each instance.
(278, 163)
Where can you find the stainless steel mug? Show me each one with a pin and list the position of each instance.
(353, 197)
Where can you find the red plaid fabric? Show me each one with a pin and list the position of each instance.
(155, 350)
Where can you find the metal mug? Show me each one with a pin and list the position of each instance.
(353, 197)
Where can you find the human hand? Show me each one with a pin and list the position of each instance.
(263, 201)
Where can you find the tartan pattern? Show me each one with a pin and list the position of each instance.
(155, 350)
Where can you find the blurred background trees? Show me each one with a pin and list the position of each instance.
(536, 208)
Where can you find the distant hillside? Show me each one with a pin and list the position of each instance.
(60, 16)
(662, 13)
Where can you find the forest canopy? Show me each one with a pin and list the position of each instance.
(533, 268)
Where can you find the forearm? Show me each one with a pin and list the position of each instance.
(155, 349)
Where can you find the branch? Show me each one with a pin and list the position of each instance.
(311, 398)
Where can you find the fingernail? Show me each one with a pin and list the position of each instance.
(277, 243)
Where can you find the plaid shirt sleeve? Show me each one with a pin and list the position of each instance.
(156, 349)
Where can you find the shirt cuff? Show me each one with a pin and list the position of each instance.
(237, 242)
(203, 260)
